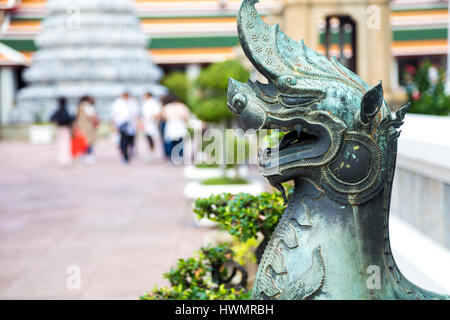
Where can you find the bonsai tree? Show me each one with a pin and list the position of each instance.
(206, 276)
(210, 274)
(245, 215)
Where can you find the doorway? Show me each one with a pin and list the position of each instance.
(340, 40)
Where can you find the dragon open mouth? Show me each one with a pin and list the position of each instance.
(303, 143)
(299, 139)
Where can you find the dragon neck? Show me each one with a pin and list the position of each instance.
(323, 249)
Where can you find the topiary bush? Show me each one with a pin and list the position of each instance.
(178, 83)
(211, 109)
(215, 77)
(210, 103)
(203, 277)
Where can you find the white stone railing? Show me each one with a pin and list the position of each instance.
(421, 192)
(420, 221)
(424, 146)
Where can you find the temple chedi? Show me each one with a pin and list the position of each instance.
(87, 47)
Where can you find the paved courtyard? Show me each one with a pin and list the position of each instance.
(124, 226)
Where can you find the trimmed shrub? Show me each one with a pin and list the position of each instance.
(178, 83)
(203, 277)
(210, 102)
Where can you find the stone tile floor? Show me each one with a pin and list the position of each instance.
(123, 225)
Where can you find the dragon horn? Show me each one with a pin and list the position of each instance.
(257, 40)
(281, 59)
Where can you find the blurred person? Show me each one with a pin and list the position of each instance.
(87, 121)
(162, 128)
(176, 115)
(433, 75)
(125, 118)
(63, 120)
(151, 114)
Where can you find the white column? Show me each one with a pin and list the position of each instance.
(394, 75)
(193, 71)
(6, 92)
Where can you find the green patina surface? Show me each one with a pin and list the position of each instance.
(333, 239)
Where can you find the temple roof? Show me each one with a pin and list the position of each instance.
(11, 57)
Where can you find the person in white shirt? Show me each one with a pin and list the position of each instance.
(125, 118)
(176, 115)
(150, 115)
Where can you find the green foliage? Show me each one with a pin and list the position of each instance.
(432, 98)
(212, 109)
(433, 103)
(178, 83)
(223, 180)
(421, 77)
(192, 278)
(245, 251)
(243, 215)
(210, 104)
(196, 293)
(216, 76)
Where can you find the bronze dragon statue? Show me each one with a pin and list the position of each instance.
(340, 152)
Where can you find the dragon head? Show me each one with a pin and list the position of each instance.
(341, 131)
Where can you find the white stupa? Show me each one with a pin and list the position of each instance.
(87, 47)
